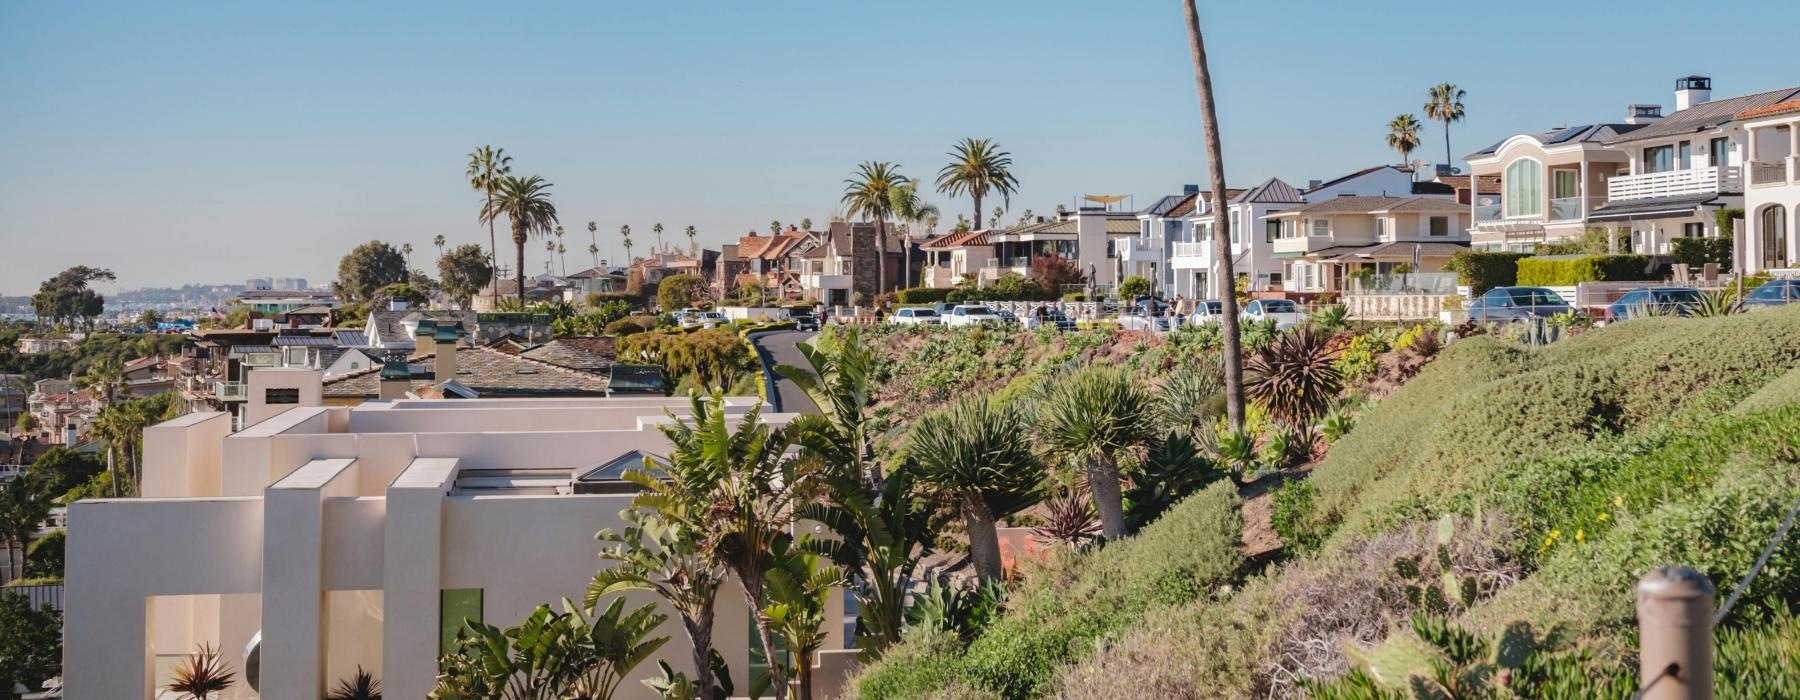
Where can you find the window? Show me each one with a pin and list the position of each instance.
(1685, 155)
(1720, 149)
(1659, 159)
(1271, 230)
(1693, 230)
(281, 396)
(1236, 225)
(1440, 226)
(1524, 187)
(1321, 227)
(1564, 184)
(454, 606)
(1380, 227)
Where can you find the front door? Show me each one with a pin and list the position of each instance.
(1773, 241)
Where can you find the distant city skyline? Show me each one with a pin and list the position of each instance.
(184, 143)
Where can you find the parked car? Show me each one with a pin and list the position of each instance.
(804, 320)
(1678, 301)
(1286, 313)
(1135, 320)
(971, 314)
(1007, 317)
(1045, 316)
(710, 319)
(1209, 311)
(1773, 293)
(1503, 304)
(915, 317)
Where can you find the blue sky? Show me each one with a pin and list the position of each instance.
(179, 142)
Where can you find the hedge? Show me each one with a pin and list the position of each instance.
(1482, 270)
(1696, 252)
(1563, 272)
(923, 295)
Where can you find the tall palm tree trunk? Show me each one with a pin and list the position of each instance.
(1227, 282)
(984, 540)
(977, 221)
(1109, 501)
(699, 631)
(518, 232)
(493, 253)
(1446, 142)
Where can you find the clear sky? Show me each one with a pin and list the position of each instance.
(177, 142)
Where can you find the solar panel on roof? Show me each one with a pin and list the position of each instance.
(1568, 133)
(302, 341)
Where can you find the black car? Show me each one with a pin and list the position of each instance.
(1773, 293)
(804, 320)
(1517, 304)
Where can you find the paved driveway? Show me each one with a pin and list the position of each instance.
(777, 348)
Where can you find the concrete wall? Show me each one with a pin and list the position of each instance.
(182, 456)
(308, 382)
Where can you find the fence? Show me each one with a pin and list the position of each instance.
(1420, 283)
(38, 595)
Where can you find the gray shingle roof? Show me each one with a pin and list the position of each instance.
(487, 371)
(585, 354)
(1272, 191)
(1705, 115)
(1650, 208)
(1586, 133)
(1364, 205)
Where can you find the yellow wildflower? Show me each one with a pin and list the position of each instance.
(1619, 501)
(1602, 516)
(1580, 537)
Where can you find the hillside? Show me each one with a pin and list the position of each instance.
(1543, 482)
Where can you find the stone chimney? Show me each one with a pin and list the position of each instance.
(396, 378)
(443, 344)
(1691, 91)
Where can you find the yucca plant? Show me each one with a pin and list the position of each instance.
(361, 685)
(1068, 520)
(201, 675)
(946, 608)
(1295, 378)
(974, 454)
(1095, 416)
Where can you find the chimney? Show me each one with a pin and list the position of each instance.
(395, 380)
(396, 304)
(1691, 91)
(1643, 114)
(444, 347)
(1314, 184)
(1190, 189)
(423, 332)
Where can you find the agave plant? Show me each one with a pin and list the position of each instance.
(1069, 519)
(1331, 319)
(945, 608)
(1173, 469)
(1238, 450)
(1256, 335)
(361, 685)
(1715, 304)
(201, 675)
(1191, 394)
(1294, 378)
(1337, 422)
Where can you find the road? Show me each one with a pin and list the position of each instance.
(777, 348)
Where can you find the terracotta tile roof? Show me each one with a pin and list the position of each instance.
(1786, 107)
(488, 371)
(1489, 184)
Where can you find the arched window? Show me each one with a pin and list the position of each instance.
(1525, 188)
(1772, 223)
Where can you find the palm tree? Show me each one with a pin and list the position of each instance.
(908, 207)
(625, 234)
(25, 502)
(562, 262)
(806, 224)
(869, 194)
(693, 247)
(841, 383)
(594, 242)
(1445, 105)
(662, 550)
(1209, 123)
(406, 250)
(799, 590)
(775, 227)
(1095, 416)
(978, 168)
(487, 165)
(975, 455)
(657, 229)
(525, 202)
(1403, 136)
(438, 241)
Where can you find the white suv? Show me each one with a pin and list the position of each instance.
(971, 314)
(915, 317)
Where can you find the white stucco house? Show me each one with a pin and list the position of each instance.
(1193, 259)
(323, 538)
(1772, 192)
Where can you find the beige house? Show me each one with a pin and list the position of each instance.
(1322, 244)
(324, 538)
(1550, 182)
(949, 258)
(1772, 197)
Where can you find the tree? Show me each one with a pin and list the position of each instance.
(974, 454)
(30, 643)
(487, 165)
(462, 273)
(806, 224)
(1209, 122)
(1134, 286)
(912, 210)
(693, 247)
(978, 168)
(562, 262)
(406, 251)
(149, 319)
(677, 291)
(66, 296)
(625, 235)
(658, 229)
(525, 202)
(25, 425)
(64, 469)
(1445, 105)
(1054, 272)
(1096, 416)
(799, 586)
(869, 194)
(1403, 136)
(25, 503)
(775, 227)
(884, 535)
(842, 384)
(662, 550)
(594, 242)
(439, 241)
(367, 268)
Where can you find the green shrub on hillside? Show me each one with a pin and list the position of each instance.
(1567, 271)
(1784, 391)
(1482, 270)
(922, 295)
(1696, 252)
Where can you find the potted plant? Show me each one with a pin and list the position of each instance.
(1451, 311)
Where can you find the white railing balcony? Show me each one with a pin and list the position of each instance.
(1766, 173)
(1675, 183)
(1193, 250)
(231, 391)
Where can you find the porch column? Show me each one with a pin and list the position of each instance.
(412, 574)
(1583, 189)
(1793, 159)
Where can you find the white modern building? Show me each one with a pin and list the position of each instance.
(324, 538)
(1193, 257)
(1772, 194)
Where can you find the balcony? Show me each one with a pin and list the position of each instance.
(813, 281)
(1675, 183)
(1766, 173)
(231, 391)
(1201, 249)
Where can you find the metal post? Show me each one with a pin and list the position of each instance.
(1675, 608)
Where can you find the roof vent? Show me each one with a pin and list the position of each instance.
(1314, 184)
(1643, 114)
